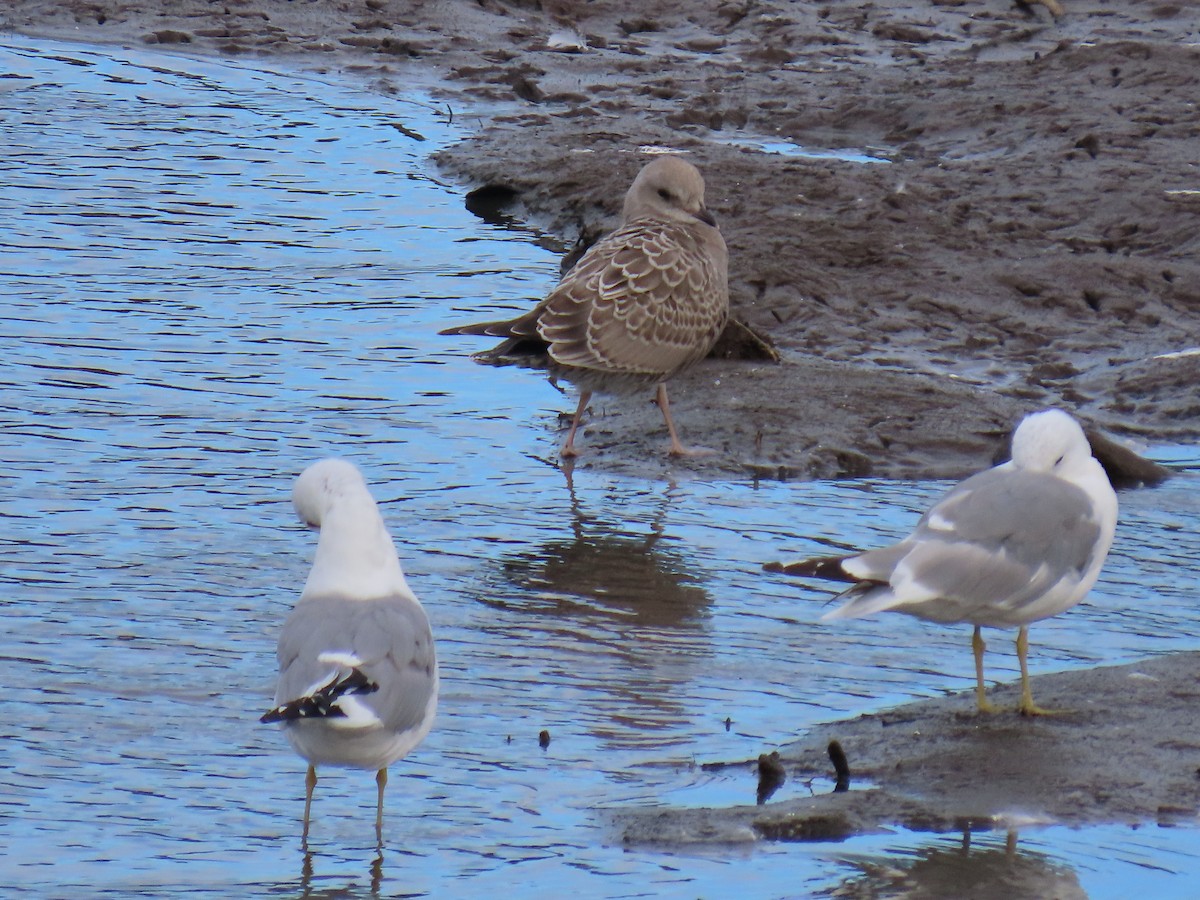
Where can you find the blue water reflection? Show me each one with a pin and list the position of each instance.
(212, 276)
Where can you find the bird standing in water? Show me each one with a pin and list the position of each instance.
(358, 678)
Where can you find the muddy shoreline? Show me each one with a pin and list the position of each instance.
(1125, 749)
(1027, 238)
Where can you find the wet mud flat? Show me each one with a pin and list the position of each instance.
(1125, 750)
(1013, 224)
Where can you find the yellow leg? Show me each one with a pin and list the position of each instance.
(310, 782)
(978, 646)
(381, 781)
(568, 449)
(1027, 707)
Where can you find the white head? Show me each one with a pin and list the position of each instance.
(667, 188)
(1049, 441)
(355, 555)
(322, 485)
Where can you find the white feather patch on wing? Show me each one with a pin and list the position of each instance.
(318, 686)
(856, 567)
(937, 522)
(340, 658)
(358, 714)
(907, 587)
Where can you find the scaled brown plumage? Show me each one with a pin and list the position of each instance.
(644, 303)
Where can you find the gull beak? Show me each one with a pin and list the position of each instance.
(706, 217)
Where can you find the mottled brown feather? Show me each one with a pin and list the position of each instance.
(646, 301)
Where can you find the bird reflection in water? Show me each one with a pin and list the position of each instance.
(329, 891)
(615, 611)
(608, 570)
(944, 871)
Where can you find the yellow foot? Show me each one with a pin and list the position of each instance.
(1032, 709)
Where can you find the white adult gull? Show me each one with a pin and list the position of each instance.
(358, 678)
(1009, 546)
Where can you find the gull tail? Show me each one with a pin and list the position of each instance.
(320, 703)
(864, 596)
(863, 599)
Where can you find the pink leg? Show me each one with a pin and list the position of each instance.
(677, 449)
(568, 449)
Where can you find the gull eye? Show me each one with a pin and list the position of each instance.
(664, 193)
(1058, 462)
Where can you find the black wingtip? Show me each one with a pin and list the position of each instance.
(320, 704)
(828, 568)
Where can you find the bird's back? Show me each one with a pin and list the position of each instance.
(389, 641)
(647, 301)
(1005, 547)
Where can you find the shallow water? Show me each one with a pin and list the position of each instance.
(780, 147)
(212, 276)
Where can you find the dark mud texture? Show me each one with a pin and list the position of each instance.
(1127, 750)
(1032, 239)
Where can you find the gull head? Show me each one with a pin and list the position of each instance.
(668, 188)
(322, 485)
(1049, 441)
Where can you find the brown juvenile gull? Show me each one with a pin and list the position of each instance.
(644, 303)
(358, 679)
(1011, 545)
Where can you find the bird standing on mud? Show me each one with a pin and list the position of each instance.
(358, 678)
(644, 303)
(1011, 545)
